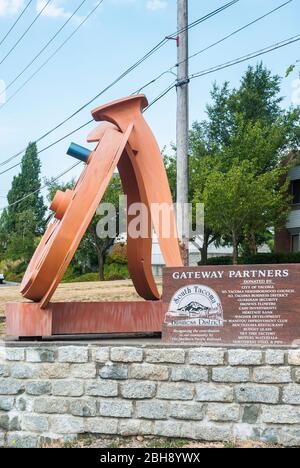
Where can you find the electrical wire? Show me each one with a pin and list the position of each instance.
(160, 96)
(201, 20)
(191, 77)
(228, 64)
(123, 75)
(41, 188)
(252, 55)
(154, 80)
(16, 22)
(236, 31)
(170, 70)
(53, 54)
(25, 32)
(44, 47)
(51, 144)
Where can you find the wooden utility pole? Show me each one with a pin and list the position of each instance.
(182, 122)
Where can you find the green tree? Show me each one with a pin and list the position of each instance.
(53, 185)
(240, 202)
(92, 251)
(102, 245)
(243, 124)
(4, 232)
(201, 163)
(23, 240)
(23, 220)
(256, 99)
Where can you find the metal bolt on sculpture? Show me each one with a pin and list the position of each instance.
(124, 141)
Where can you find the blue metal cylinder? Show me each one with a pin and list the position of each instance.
(78, 152)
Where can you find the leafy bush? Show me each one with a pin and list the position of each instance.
(87, 277)
(13, 270)
(280, 257)
(70, 275)
(13, 277)
(258, 259)
(217, 261)
(116, 271)
(118, 254)
(112, 271)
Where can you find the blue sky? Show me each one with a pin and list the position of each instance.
(114, 37)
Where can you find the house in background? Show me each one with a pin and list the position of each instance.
(288, 238)
(194, 255)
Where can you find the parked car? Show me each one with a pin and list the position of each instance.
(1, 278)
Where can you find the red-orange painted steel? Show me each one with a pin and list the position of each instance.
(124, 140)
(74, 318)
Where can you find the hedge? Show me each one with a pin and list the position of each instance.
(258, 259)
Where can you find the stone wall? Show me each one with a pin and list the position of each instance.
(52, 391)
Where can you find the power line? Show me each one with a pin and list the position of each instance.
(41, 188)
(160, 96)
(51, 145)
(237, 61)
(44, 47)
(234, 62)
(193, 76)
(238, 30)
(195, 23)
(230, 63)
(16, 22)
(123, 75)
(200, 20)
(214, 44)
(258, 53)
(139, 62)
(25, 32)
(138, 91)
(53, 54)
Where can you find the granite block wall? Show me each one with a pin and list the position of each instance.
(55, 391)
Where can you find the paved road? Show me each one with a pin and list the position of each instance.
(8, 283)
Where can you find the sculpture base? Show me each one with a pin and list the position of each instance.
(74, 318)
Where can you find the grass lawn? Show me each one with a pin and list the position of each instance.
(154, 442)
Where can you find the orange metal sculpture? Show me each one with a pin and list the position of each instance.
(124, 141)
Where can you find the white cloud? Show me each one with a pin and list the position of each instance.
(10, 7)
(53, 10)
(155, 5)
